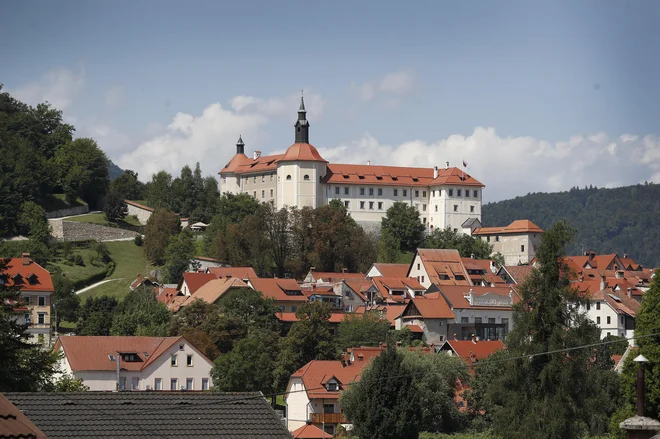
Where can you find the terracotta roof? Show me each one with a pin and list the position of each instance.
(106, 415)
(277, 289)
(27, 277)
(630, 264)
(139, 280)
(360, 286)
(239, 272)
(287, 317)
(206, 258)
(618, 301)
(302, 152)
(310, 431)
(241, 164)
(329, 276)
(431, 307)
(415, 328)
(396, 176)
(519, 273)
(91, 352)
(472, 351)
(14, 424)
(389, 312)
(386, 285)
(392, 270)
(477, 264)
(196, 280)
(518, 226)
(444, 267)
(456, 296)
(141, 206)
(214, 289)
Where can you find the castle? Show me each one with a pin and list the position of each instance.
(444, 197)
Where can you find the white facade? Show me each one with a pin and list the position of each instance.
(418, 271)
(609, 321)
(519, 248)
(297, 404)
(159, 375)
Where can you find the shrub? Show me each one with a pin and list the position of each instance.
(138, 240)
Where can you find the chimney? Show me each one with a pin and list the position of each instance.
(472, 256)
(435, 172)
(26, 258)
(455, 337)
(368, 162)
(344, 270)
(629, 292)
(619, 274)
(447, 165)
(256, 155)
(603, 283)
(312, 269)
(625, 255)
(474, 338)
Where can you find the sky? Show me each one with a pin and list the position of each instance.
(534, 96)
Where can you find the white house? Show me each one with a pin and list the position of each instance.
(517, 242)
(444, 197)
(135, 363)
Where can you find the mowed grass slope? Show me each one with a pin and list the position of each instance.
(130, 260)
(76, 272)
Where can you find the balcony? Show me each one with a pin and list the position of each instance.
(328, 418)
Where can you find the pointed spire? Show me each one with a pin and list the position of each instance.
(302, 125)
(240, 146)
(302, 103)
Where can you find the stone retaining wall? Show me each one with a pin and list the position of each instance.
(76, 231)
(80, 210)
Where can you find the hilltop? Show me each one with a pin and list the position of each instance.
(620, 220)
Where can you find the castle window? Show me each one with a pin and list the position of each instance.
(361, 204)
(337, 190)
(451, 192)
(288, 177)
(424, 194)
(436, 207)
(471, 209)
(255, 179)
(467, 193)
(396, 192)
(416, 194)
(475, 193)
(361, 191)
(380, 191)
(424, 207)
(263, 194)
(306, 177)
(346, 204)
(405, 192)
(371, 191)
(255, 194)
(371, 205)
(380, 205)
(346, 191)
(455, 207)
(263, 178)
(458, 192)
(271, 193)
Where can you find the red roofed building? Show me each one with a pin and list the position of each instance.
(243, 273)
(310, 431)
(192, 281)
(286, 293)
(445, 197)
(471, 351)
(431, 313)
(388, 270)
(517, 242)
(438, 267)
(145, 363)
(36, 291)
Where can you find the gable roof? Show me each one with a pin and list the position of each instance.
(289, 317)
(361, 287)
(430, 307)
(386, 285)
(472, 351)
(518, 226)
(18, 270)
(519, 273)
(456, 296)
(90, 353)
(443, 266)
(105, 415)
(214, 289)
(396, 176)
(310, 431)
(195, 280)
(275, 289)
(239, 272)
(391, 270)
(14, 424)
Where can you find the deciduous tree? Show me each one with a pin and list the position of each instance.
(161, 227)
(367, 329)
(179, 255)
(96, 316)
(83, 170)
(115, 208)
(465, 244)
(402, 221)
(141, 314)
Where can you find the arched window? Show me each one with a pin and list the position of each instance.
(288, 177)
(306, 177)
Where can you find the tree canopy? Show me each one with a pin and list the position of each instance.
(402, 221)
(466, 245)
(161, 226)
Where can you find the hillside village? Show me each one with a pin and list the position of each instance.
(297, 287)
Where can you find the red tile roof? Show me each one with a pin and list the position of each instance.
(302, 152)
(26, 275)
(91, 353)
(444, 267)
(396, 176)
(389, 312)
(472, 351)
(431, 307)
(310, 431)
(519, 273)
(392, 270)
(277, 289)
(214, 289)
(617, 300)
(518, 226)
(456, 296)
(360, 286)
(329, 276)
(288, 317)
(239, 272)
(14, 424)
(141, 206)
(415, 328)
(196, 280)
(386, 285)
(241, 164)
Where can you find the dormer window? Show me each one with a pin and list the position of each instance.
(306, 177)
(332, 387)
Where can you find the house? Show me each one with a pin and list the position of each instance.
(286, 293)
(192, 281)
(387, 312)
(515, 274)
(388, 270)
(143, 281)
(481, 272)
(329, 277)
(203, 263)
(140, 211)
(109, 415)
(322, 293)
(486, 312)
(214, 289)
(198, 226)
(355, 293)
(430, 314)
(471, 351)
(517, 242)
(439, 267)
(36, 291)
(243, 273)
(134, 363)
(15, 425)
(444, 196)
(393, 290)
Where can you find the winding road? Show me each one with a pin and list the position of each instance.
(97, 284)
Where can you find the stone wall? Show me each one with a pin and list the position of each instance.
(79, 210)
(76, 231)
(142, 213)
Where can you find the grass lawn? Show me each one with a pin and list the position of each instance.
(99, 218)
(130, 260)
(77, 272)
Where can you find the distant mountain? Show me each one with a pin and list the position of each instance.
(620, 220)
(114, 170)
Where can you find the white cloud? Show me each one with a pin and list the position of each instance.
(60, 86)
(512, 166)
(392, 84)
(272, 107)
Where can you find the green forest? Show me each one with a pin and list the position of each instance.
(620, 220)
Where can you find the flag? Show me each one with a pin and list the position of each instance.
(464, 164)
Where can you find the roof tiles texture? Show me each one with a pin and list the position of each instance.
(518, 226)
(302, 152)
(470, 350)
(310, 431)
(196, 280)
(214, 289)
(239, 272)
(105, 415)
(444, 267)
(396, 176)
(456, 296)
(277, 289)
(27, 275)
(392, 270)
(14, 424)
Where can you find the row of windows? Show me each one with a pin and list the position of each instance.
(263, 194)
(158, 384)
(505, 321)
(41, 318)
(404, 192)
(41, 300)
(254, 179)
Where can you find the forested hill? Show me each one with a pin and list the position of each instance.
(620, 220)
